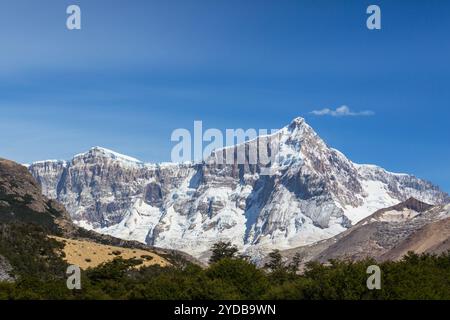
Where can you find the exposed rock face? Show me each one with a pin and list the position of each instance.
(5, 270)
(21, 198)
(153, 195)
(313, 192)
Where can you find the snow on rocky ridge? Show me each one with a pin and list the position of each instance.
(313, 192)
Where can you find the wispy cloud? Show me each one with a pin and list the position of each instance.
(342, 111)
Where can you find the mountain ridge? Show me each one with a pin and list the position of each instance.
(313, 192)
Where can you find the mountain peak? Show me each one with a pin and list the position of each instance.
(299, 131)
(413, 204)
(296, 123)
(107, 153)
(298, 120)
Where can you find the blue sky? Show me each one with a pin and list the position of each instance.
(140, 69)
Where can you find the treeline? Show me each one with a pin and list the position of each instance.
(229, 276)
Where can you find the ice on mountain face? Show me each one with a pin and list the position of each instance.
(376, 196)
(313, 193)
(137, 224)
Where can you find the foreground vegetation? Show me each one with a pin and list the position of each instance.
(40, 273)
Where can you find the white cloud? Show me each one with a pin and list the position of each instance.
(342, 111)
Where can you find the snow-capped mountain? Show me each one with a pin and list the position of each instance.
(313, 192)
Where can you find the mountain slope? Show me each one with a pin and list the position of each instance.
(388, 234)
(432, 238)
(34, 231)
(313, 192)
(89, 254)
(21, 199)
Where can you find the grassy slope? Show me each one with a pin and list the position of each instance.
(88, 254)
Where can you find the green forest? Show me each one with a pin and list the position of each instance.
(41, 274)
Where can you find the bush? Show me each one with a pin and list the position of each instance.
(249, 282)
